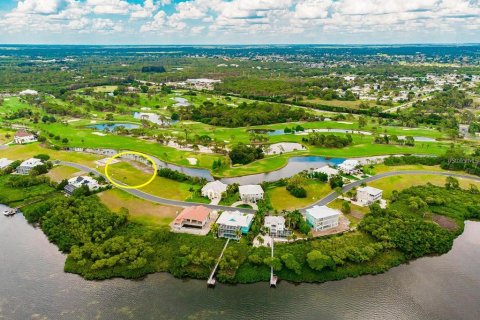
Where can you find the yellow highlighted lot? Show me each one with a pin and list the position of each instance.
(150, 159)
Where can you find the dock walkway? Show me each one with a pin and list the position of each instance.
(211, 280)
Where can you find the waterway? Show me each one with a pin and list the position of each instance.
(34, 286)
(294, 166)
(112, 126)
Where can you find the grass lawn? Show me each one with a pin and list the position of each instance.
(13, 104)
(399, 183)
(17, 196)
(60, 173)
(281, 199)
(356, 214)
(162, 187)
(23, 152)
(340, 103)
(84, 137)
(141, 211)
(3, 133)
(380, 168)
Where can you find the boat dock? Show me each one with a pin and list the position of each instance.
(211, 280)
(273, 277)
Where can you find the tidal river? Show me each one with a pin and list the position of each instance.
(34, 286)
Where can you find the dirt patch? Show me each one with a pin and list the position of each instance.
(343, 225)
(357, 214)
(139, 166)
(445, 222)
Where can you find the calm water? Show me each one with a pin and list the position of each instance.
(294, 166)
(112, 126)
(33, 285)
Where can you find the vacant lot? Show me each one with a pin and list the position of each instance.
(282, 200)
(141, 211)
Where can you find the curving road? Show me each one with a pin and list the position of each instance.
(333, 195)
(152, 198)
(322, 202)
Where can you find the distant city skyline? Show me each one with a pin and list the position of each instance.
(239, 21)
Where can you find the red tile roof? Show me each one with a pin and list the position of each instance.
(199, 213)
(22, 134)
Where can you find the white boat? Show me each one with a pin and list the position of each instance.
(9, 212)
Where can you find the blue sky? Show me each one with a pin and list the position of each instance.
(239, 21)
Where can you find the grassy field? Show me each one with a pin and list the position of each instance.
(3, 133)
(340, 103)
(399, 183)
(17, 196)
(22, 152)
(356, 213)
(281, 199)
(60, 173)
(380, 168)
(162, 187)
(141, 211)
(13, 104)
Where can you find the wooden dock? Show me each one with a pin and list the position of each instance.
(273, 277)
(211, 280)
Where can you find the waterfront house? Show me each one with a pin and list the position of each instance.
(193, 217)
(4, 162)
(214, 190)
(368, 195)
(349, 166)
(251, 193)
(23, 136)
(276, 227)
(78, 182)
(322, 218)
(329, 171)
(26, 166)
(232, 224)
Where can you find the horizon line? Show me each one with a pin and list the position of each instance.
(252, 44)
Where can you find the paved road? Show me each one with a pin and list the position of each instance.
(333, 195)
(322, 202)
(152, 198)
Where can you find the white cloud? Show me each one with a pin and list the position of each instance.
(109, 6)
(143, 12)
(40, 6)
(262, 20)
(313, 9)
(106, 26)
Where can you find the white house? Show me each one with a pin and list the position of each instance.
(329, 171)
(232, 224)
(276, 226)
(23, 136)
(349, 166)
(28, 92)
(26, 166)
(322, 218)
(77, 182)
(214, 190)
(251, 193)
(4, 162)
(368, 195)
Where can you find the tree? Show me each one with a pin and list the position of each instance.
(318, 261)
(274, 262)
(346, 207)
(362, 122)
(452, 183)
(291, 263)
(336, 181)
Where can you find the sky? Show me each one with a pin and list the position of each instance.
(239, 21)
